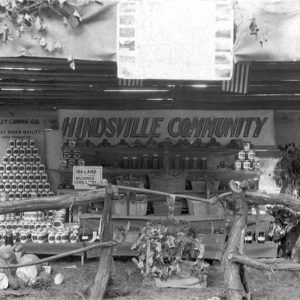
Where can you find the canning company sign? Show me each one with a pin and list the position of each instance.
(114, 125)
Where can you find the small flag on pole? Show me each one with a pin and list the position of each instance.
(239, 80)
(130, 82)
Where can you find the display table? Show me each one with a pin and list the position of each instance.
(53, 249)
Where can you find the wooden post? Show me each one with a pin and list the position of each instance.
(105, 254)
(235, 281)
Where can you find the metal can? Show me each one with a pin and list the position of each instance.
(27, 187)
(35, 151)
(25, 195)
(15, 168)
(34, 237)
(246, 146)
(18, 178)
(31, 177)
(24, 177)
(58, 237)
(19, 160)
(76, 153)
(32, 143)
(5, 160)
(20, 187)
(177, 162)
(145, 161)
(38, 159)
(7, 187)
(25, 143)
(195, 163)
(19, 143)
(67, 153)
(22, 169)
(28, 169)
(37, 177)
(251, 155)
(237, 165)
(51, 237)
(71, 163)
(12, 160)
(11, 196)
(186, 163)
(4, 177)
(65, 237)
(134, 162)
(203, 163)
(12, 143)
(11, 177)
(31, 159)
(44, 177)
(22, 152)
(47, 186)
(16, 151)
(42, 168)
(246, 165)
(2, 168)
(25, 160)
(35, 168)
(155, 161)
(256, 165)
(1, 187)
(80, 162)
(125, 162)
(40, 187)
(28, 152)
(8, 169)
(14, 186)
(241, 155)
(9, 151)
(18, 195)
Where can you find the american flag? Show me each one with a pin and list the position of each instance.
(239, 80)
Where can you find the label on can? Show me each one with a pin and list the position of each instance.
(28, 152)
(256, 165)
(81, 162)
(67, 153)
(22, 152)
(246, 146)
(76, 153)
(246, 165)
(241, 155)
(251, 155)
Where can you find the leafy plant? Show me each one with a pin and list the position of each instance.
(161, 249)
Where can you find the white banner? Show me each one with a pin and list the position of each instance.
(256, 126)
(84, 177)
(175, 39)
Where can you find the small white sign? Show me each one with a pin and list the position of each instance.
(83, 176)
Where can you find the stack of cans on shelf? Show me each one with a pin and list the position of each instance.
(23, 175)
(37, 232)
(246, 159)
(71, 155)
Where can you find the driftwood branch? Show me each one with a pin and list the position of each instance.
(256, 264)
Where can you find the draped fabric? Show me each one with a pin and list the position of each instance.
(267, 30)
(93, 39)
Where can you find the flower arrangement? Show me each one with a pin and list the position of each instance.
(162, 247)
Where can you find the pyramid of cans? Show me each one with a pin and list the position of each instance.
(23, 175)
(246, 159)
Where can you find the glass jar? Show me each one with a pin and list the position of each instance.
(155, 161)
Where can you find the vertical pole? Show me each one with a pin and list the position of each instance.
(105, 254)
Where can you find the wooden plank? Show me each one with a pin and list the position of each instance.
(265, 250)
